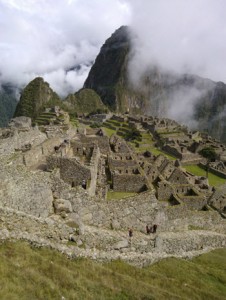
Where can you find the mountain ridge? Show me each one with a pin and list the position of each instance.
(155, 92)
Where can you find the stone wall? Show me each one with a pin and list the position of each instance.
(82, 149)
(25, 191)
(101, 141)
(113, 163)
(214, 171)
(33, 156)
(128, 183)
(164, 190)
(36, 154)
(18, 225)
(194, 203)
(71, 171)
(118, 118)
(178, 177)
(94, 162)
(120, 156)
(136, 212)
(218, 199)
(191, 158)
(48, 145)
(173, 151)
(18, 140)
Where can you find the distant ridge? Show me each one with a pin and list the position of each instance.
(109, 78)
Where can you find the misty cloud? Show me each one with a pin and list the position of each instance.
(178, 37)
(47, 38)
(181, 36)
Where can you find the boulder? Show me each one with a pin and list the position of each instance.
(61, 205)
(121, 244)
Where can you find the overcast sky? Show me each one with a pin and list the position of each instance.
(49, 37)
(186, 36)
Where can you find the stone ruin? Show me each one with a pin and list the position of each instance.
(66, 177)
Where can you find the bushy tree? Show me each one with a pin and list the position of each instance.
(208, 153)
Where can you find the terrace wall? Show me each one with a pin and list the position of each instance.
(128, 183)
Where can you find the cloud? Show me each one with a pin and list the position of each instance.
(178, 37)
(181, 36)
(47, 38)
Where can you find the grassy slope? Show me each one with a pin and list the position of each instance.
(27, 273)
(213, 179)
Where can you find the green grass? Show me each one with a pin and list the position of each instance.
(118, 195)
(108, 131)
(32, 273)
(114, 122)
(156, 151)
(214, 180)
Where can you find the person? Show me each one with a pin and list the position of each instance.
(84, 184)
(148, 230)
(130, 232)
(154, 228)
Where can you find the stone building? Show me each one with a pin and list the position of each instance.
(218, 199)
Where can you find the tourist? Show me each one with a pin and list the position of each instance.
(154, 228)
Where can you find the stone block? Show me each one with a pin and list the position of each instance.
(61, 205)
(121, 244)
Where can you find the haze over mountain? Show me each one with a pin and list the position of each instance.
(57, 40)
(168, 44)
(190, 99)
(49, 39)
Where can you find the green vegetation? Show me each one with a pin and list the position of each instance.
(7, 106)
(109, 131)
(140, 141)
(132, 135)
(208, 153)
(157, 151)
(47, 117)
(36, 96)
(118, 195)
(32, 273)
(194, 227)
(214, 180)
(111, 127)
(85, 101)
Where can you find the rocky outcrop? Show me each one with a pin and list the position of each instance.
(107, 75)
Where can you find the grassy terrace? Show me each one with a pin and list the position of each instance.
(27, 273)
(109, 131)
(213, 179)
(146, 143)
(156, 151)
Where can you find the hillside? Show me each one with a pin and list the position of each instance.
(77, 189)
(30, 273)
(7, 104)
(35, 97)
(155, 92)
(85, 101)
